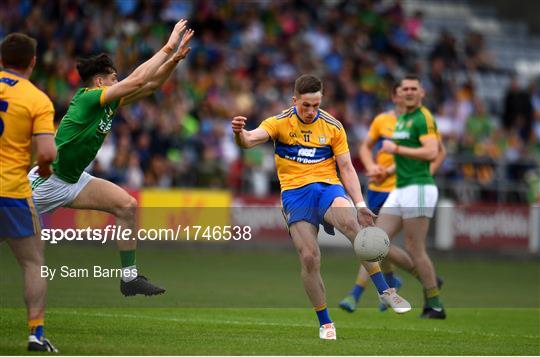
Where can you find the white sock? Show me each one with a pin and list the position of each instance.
(129, 273)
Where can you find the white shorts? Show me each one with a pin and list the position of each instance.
(412, 201)
(53, 192)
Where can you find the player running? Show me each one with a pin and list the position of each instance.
(25, 113)
(382, 181)
(308, 144)
(415, 143)
(82, 132)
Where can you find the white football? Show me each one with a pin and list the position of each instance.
(371, 244)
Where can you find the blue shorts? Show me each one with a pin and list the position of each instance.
(309, 203)
(18, 218)
(376, 199)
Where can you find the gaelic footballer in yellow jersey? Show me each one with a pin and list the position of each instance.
(382, 129)
(309, 144)
(26, 113)
(305, 153)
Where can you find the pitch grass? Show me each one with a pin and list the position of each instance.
(256, 331)
(251, 302)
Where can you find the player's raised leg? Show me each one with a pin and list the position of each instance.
(343, 216)
(304, 236)
(105, 196)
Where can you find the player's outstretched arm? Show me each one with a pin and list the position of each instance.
(247, 139)
(350, 181)
(45, 153)
(144, 73)
(163, 72)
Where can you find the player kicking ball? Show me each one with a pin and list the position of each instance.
(308, 144)
(81, 133)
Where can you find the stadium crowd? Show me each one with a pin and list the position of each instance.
(244, 59)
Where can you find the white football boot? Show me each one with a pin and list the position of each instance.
(327, 332)
(391, 299)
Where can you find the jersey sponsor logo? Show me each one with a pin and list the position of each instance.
(307, 152)
(401, 135)
(292, 134)
(105, 123)
(303, 154)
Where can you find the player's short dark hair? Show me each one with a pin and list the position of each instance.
(411, 77)
(18, 50)
(307, 83)
(93, 66)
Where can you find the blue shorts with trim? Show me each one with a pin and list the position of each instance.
(376, 199)
(309, 203)
(18, 218)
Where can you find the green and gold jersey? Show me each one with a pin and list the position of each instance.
(81, 132)
(410, 129)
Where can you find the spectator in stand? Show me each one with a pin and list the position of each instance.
(361, 47)
(477, 55)
(518, 110)
(445, 48)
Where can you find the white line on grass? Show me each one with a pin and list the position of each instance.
(265, 323)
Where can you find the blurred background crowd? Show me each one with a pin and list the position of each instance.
(244, 60)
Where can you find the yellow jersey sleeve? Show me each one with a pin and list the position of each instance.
(430, 130)
(43, 117)
(339, 144)
(270, 125)
(374, 132)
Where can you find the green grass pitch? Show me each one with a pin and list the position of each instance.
(251, 302)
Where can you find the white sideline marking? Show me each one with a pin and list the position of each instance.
(264, 323)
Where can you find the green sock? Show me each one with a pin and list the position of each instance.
(432, 297)
(127, 257)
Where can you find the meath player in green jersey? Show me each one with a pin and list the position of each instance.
(81, 134)
(415, 143)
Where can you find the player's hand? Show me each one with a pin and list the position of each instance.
(374, 170)
(366, 217)
(238, 124)
(379, 178)
(175, 34)
(389, 146)
(44, 171)
(183, 49)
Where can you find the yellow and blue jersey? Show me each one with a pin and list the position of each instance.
(305, 153)
(24, 111)
(382, 128)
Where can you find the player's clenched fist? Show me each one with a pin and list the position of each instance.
(237, 124)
